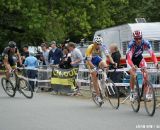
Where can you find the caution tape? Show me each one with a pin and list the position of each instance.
(151, 70)
(35, 80)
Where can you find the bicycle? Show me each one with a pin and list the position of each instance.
(16, 83)
(108, 90)
(147, 92)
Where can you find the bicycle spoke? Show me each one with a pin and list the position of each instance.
(25, 88)
(8, 87)
(112, 94)
(94, 95)
(136, 103)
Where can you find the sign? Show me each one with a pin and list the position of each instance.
(64, 77)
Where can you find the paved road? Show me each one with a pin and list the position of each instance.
(51, 112)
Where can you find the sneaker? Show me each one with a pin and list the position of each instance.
(132, 97)
(98, 98)
(149, 96)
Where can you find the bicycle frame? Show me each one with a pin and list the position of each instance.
(14, 71)
(103, 80)
(144, 73)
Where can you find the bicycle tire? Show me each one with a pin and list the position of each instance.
(25, 88)
(150, 109)
(8, 88)
(136, 103)
(93, 94)
(112, 93)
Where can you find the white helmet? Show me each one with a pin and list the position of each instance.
(31, 53)
(98, 40)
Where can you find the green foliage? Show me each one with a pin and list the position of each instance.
(35, 21)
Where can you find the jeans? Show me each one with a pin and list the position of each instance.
(32, 74)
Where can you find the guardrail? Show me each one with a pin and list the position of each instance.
(44, 75)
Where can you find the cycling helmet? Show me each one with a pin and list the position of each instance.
(137, 34)
(12, 44)
(98, 40)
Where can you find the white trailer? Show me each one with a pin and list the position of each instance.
(121, 35)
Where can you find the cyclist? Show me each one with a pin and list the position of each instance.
(11, 56)
(135, 58)
(94, 61)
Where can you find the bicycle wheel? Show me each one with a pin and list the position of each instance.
(149, 98)
(93, 92)
(136, 103)
(25, 88)
(8, 87)
(112, 93)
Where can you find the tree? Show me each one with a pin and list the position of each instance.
(36, 21)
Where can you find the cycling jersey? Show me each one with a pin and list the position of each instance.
(92, 51)
(95, 55)
(12, 57)
(134, 52)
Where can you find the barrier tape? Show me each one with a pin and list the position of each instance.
(86, 70)
(35, 80)
(85, 81)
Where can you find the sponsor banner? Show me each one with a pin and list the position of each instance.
(64, 77)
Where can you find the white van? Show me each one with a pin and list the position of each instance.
(123, 34)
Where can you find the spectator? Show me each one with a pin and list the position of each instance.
(62, 46)
(45, 53)
(55, 54)
(77, 59)
(66, 60)
(115, 54)
(76, 55)
(25, 53)
(31, 63)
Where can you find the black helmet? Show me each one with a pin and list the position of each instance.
(12, 44)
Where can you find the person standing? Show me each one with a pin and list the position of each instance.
(116, 77)
(31, 63)
(45, 53)
(76, 61)
(25, 53)
(76, 55)
(65, 63)
(115, 54)
(55, 54)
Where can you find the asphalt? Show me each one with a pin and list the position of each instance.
(55, 112)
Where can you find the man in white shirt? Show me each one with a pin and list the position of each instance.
(76, 55)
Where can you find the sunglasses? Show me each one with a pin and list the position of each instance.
(136, 39)
(98, 44)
